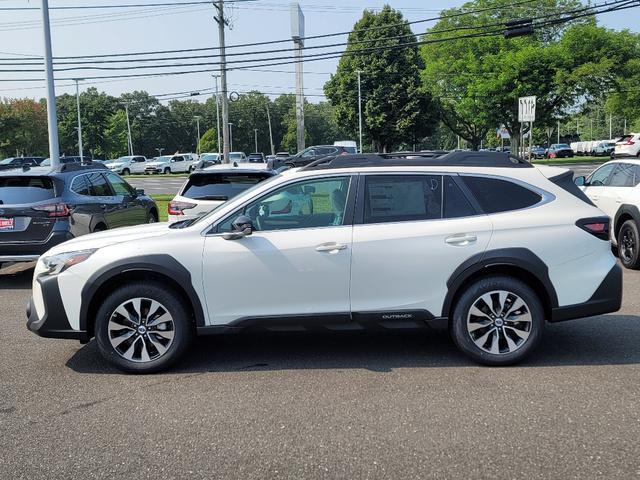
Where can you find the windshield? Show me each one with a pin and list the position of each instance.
(164, 158)
(236, 156)
(7, 161)
(562, 145)
(209, 156)
(220, 186)
(246, 194)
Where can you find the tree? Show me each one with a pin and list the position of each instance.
(396, 108)
(209, 141)
(477, 81)
(23, 127)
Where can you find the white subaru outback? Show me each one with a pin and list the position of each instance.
(483, 240)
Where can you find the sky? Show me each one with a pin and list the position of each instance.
(107, 31)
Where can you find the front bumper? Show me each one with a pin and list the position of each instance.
(153, 170)
(54, 322)
(606, 299)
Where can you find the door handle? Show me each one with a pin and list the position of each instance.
(619, 200)
(461, 240)
(330, 247)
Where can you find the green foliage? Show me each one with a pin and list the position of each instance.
(23, 127)
(209, 141)
(396, 108)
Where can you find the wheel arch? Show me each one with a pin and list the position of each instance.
(624, 213)
(519, 263)
(161, 268)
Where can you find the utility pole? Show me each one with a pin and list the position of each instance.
(126, 109)
(218, 114)
(54, 146)
(255, 139)
(197, 117)
(297, 35)
(159, 151)
(624, 131)
(591, 129)
(360, 110)
(230, 137)
(79, 121)
(558, 132)
(610, 125)
(223, 79)
(273, 152)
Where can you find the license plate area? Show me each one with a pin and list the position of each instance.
(7, 224)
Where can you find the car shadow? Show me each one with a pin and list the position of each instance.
(604, 340)
(16, 281)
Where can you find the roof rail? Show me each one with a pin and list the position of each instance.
(428, 159)
(73, 167)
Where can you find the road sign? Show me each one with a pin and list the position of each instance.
(503, 133)
(527, 109)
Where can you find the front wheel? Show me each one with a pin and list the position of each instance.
(628, 245)
(126, 171)
(143, 327)
(167, 171)
(497, 321)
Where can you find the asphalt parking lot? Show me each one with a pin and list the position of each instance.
(329, 406)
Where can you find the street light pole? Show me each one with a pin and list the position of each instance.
(218, 114)
(80, 150)
(197, 117)
(54, 146)
(159, 151)
(126, 109)
(359, 110)
(230, 137)
(255, 139)
(273, 152)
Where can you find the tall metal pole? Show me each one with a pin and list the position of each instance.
(230, 137)
(273, 152)
(197, 117)
(159, 151)
(299, 97)
(530, 140)
(558, 132)
(218, 114)
(79, 122)
(610, 125)
(255, 139)
(54, 146)
(126, 109)
(223, 80)
(359, 110)
(624, 131)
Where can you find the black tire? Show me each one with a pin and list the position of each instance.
(462, 336)
(167, 170)
(183, 330)
(629, 244)
(152, 217)
(126, 171)
(101, 227)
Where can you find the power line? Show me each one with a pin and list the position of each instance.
(127, 5)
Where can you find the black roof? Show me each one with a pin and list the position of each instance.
(425, 158)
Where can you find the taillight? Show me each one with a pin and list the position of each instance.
(597, 226)
(54, 209)
(176, 208)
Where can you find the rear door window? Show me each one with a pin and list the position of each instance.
(98, 185)
(220, 186)
(496, 195)
(19, 190)
(402, 198)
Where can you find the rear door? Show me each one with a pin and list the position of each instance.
(138, 164)
(412, 231)
(25, 215)
(103, 196)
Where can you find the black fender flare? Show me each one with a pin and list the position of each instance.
(162, 264)
(625, 209)
(522, 258)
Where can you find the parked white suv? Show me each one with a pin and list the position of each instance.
(179, 163)
(628, 146)
(613, 187)
(128, 165)
(210, 187)
(486, 241)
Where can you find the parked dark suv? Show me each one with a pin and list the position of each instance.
(311, 154)
(41, 207)
(18, 162)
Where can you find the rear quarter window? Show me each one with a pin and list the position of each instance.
(19, 190)
(496, 195)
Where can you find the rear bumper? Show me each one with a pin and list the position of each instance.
(606, 299)
(54, 322)
(30, 251)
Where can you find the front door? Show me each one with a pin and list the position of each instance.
(412, 231)
(618, 188)
(296, 263)
(596, 185)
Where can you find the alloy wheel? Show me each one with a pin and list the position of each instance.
(141, 330)
(627, 245)
(499, 322)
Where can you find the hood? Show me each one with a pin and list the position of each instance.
(112, 237)
(155, 164)
(114, 164)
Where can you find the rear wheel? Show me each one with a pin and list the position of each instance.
(143, 327)
(497, 321)
(628, 245)
(167, 170)
(153, 217)
(126, 171)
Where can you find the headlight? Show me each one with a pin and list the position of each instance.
(56, 264)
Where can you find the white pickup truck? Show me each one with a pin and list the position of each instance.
(128, 165)
(178, 163)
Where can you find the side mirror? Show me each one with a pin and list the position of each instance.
(139, 192)
(580, 181)
(242, 227)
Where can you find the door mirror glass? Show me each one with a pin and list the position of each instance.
(580, 181)
(139, 191)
